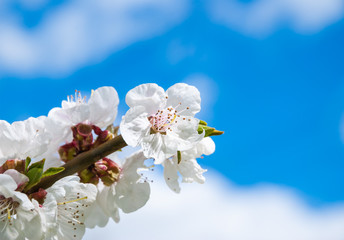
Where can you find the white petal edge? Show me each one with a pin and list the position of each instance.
(185, 95)
(151, 96)
(103, 106)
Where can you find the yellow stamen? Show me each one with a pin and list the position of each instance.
(174, 118)
(8, 214)
(71, 201)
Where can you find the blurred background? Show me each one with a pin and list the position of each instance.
(270, 73)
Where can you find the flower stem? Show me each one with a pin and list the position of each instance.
(81, 162)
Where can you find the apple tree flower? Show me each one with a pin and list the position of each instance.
(70, 200)
(162, 123)
(99, 111)
(18, 217)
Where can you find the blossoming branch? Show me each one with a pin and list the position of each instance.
(61, 173)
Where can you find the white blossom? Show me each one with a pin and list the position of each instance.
(128, 193)
(162, 122)
(24, 138)
(70, 201)
(188, 167)
(18, 217)
(99, 110)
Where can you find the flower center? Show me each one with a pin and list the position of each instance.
(7, 209)
(162, 120)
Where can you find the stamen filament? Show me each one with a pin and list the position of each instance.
(174, 118)
(71, 201)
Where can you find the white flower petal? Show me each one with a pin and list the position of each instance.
(185, 95)
(103, 106)
(68, 117)
(23, 138)
(153, 146)
(34, 225)
(171, 175)
(7, 137)
(24, 201)
(150, 96)
(106, 201)
(131, 194)
(97, 217)
(10, 232)
(7, 184)
(134, 126)
(19, 178)
(191, 171)
(184, 135)
(206, 146)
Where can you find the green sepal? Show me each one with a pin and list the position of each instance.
(27, 163)
(34, 174)
(201, 122)
(208, 131)
(179, 156)
(52, 171)
(216, 133)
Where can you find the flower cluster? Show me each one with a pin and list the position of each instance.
(61, 173)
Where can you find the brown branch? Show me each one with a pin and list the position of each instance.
(82, 161)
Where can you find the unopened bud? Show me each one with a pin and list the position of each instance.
(82, 134)
(88, 176)
(16, 164)
(112, 173)
(68, 151)
(39, 196)
(103, 136)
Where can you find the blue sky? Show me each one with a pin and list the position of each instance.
(270, 73)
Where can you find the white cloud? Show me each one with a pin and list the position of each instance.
(261, 17)
(81, 32)
(221, 211)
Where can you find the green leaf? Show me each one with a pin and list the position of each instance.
(179, 155)
(34, 175)
(52, 171)
(39, 164)
(27, 162)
